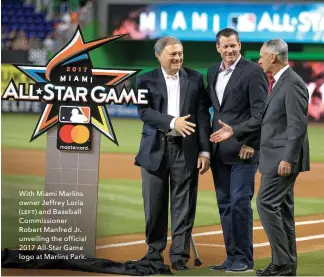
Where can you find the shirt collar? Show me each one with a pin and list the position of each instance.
(231, 68)
(280, 72)
(166, 76)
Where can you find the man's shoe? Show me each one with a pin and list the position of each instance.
(179, 265)
(222, 266)
(275, 270)
(293, 270)
(260, 271)
(238, 266)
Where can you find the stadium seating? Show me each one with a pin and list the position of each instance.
(17, 16)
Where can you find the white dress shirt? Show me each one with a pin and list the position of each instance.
(222, 79)
(278, 74)
(173, 89)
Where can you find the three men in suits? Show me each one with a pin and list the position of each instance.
(174, 148)
(284, 153)
(237, 89)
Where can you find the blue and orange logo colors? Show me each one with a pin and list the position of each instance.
(64, 85)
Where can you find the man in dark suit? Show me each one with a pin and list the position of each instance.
(237, 89)
(284, 152)
(174, 148)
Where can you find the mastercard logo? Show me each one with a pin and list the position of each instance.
(78, 134)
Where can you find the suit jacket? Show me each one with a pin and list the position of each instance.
(284, 126)
(244, 100)
(193, 101)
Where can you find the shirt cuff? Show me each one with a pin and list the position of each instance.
(204, 154)
(172, 123)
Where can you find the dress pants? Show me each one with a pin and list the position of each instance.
(174, 178)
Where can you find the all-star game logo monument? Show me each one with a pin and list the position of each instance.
(76, 94)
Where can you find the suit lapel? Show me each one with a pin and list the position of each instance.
(213, 95)
(233, 79)
(162, 88)
(276, 88)
(184, 84)
(161, 84)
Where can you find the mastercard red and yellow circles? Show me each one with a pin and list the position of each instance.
(78, 134)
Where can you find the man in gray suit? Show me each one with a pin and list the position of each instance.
(284, 152)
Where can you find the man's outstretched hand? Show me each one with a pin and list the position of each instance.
(222, 134)
(184, 127)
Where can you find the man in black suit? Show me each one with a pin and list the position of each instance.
(174, 148)
(284, 152)
(237, 89)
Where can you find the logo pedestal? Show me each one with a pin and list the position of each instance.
(71, 183)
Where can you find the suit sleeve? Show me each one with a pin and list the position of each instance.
(296, 102)
(249, 131)
(149, 115)
(203, 118)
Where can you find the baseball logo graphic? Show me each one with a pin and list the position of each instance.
(69, 79)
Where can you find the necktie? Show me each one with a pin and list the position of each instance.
(271, 83)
